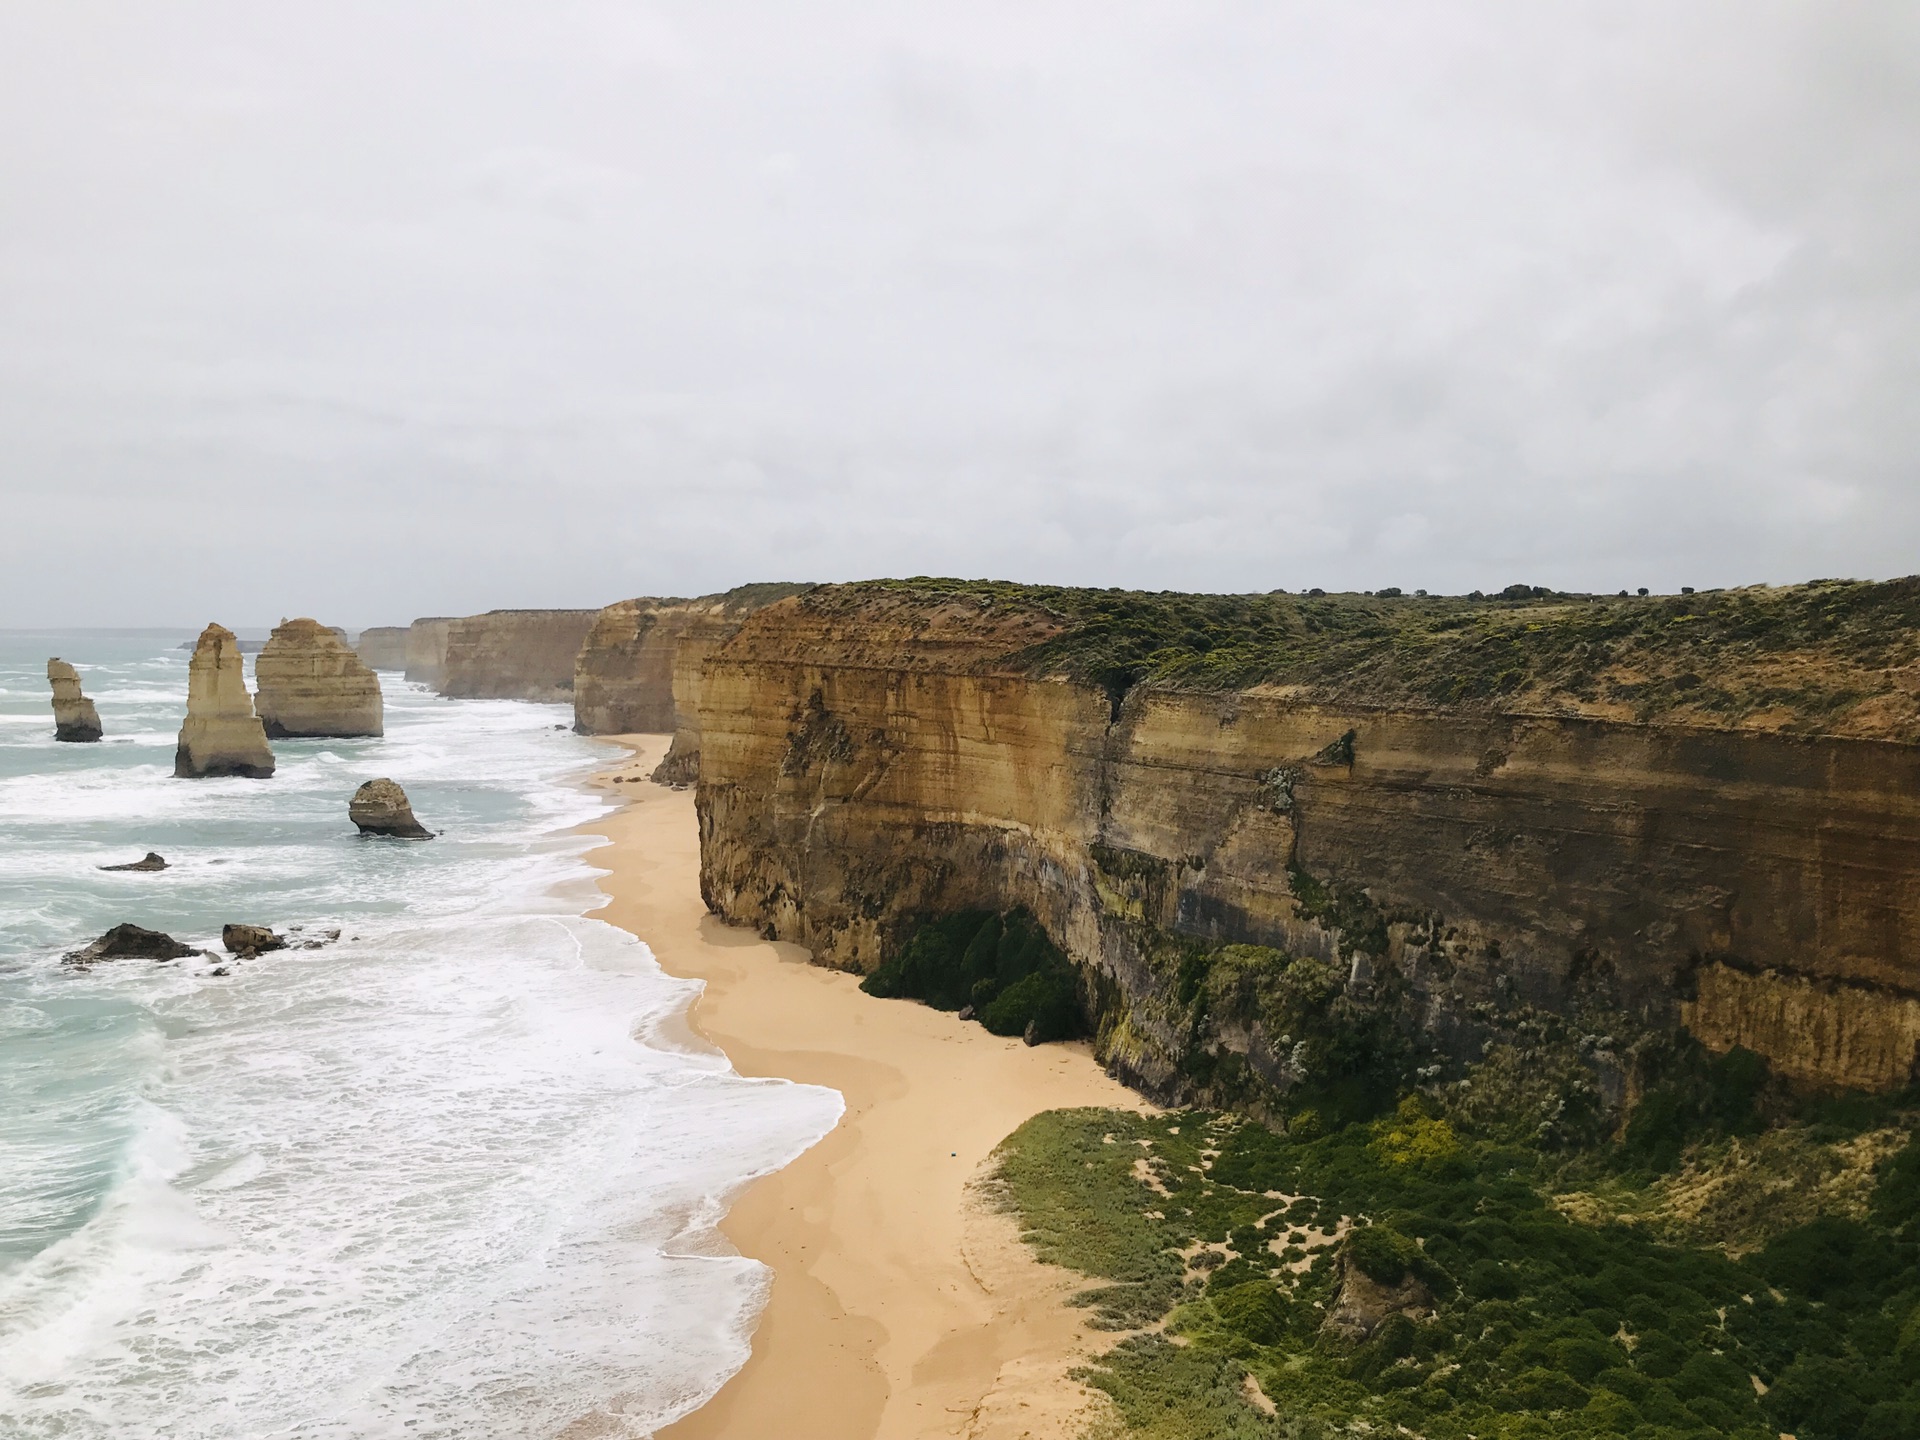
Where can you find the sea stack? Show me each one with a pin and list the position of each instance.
(74, 717)
(222, 735)
(308, 682)
(380, 807)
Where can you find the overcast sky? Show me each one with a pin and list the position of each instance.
(373, 310)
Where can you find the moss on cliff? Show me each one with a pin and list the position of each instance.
(1829, 656)
(1002, 970)
(1221, 1246)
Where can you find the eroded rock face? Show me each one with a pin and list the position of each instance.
(383, 647)
(867, 760)
(131, 942)
(1364, 1303)
(380, 807)
(153, 861)
(426, 654)
(74, 717)
(514, 654)
(222, 734)
(309, 683)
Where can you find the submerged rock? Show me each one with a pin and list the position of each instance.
(131, 942)
(309, 683)
(153, 861)
(247, 941)
(222, 735)
(74, 717)
(380, 807)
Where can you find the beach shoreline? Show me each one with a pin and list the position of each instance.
(903, 1303)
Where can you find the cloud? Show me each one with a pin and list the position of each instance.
(569, 302)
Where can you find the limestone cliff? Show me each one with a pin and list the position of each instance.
(515, 654)
(74, 716)
(383, 647)
(221, 734)
(1615, 820)
(639, 669)
(426, 654)
(308, 683)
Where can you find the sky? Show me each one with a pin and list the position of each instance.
(367, 311)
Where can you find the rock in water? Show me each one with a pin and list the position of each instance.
(380, 807)
(247, 941)
(74, 717)
(222, 735)
(309, 683)
(154, 861)
(131, 942)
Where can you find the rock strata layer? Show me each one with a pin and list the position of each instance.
(380, 807)
(153, 861)
(872, 756)
(383, 647)
(309, 683)
(514, 654)
(131, 942)
(222, 735)
(74, 716)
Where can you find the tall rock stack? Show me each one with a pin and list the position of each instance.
(310, 684)
(222, 735)
(383, 647)
(74, 717)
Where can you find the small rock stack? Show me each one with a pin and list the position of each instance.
(222, 735)
(380, 807)
(74, 717)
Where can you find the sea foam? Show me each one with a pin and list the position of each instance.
(434, 1179)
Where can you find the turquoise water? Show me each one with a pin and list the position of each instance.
(449, 1176)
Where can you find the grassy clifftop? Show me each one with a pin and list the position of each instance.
(1833, 657)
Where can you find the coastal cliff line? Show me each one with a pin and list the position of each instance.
(638, 671)
(512, 654)
(1264, 828)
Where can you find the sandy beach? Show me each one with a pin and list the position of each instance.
(902, 1305)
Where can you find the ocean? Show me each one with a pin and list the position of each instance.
(454, 1174)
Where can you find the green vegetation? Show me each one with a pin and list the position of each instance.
(1003, 969)
(1817, 657)
(1218, 1246)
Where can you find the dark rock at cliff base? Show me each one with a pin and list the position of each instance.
(380, 807)
(153, 861)
(131, 942)
(249, 940)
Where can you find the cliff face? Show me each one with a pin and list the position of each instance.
(221, 734)
(383, 647)
(309, 683)
(514, 654)
(74, 715)
(639, 669)
(426, 653)
(870, 758)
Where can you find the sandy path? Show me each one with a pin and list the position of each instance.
(901, 1306)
